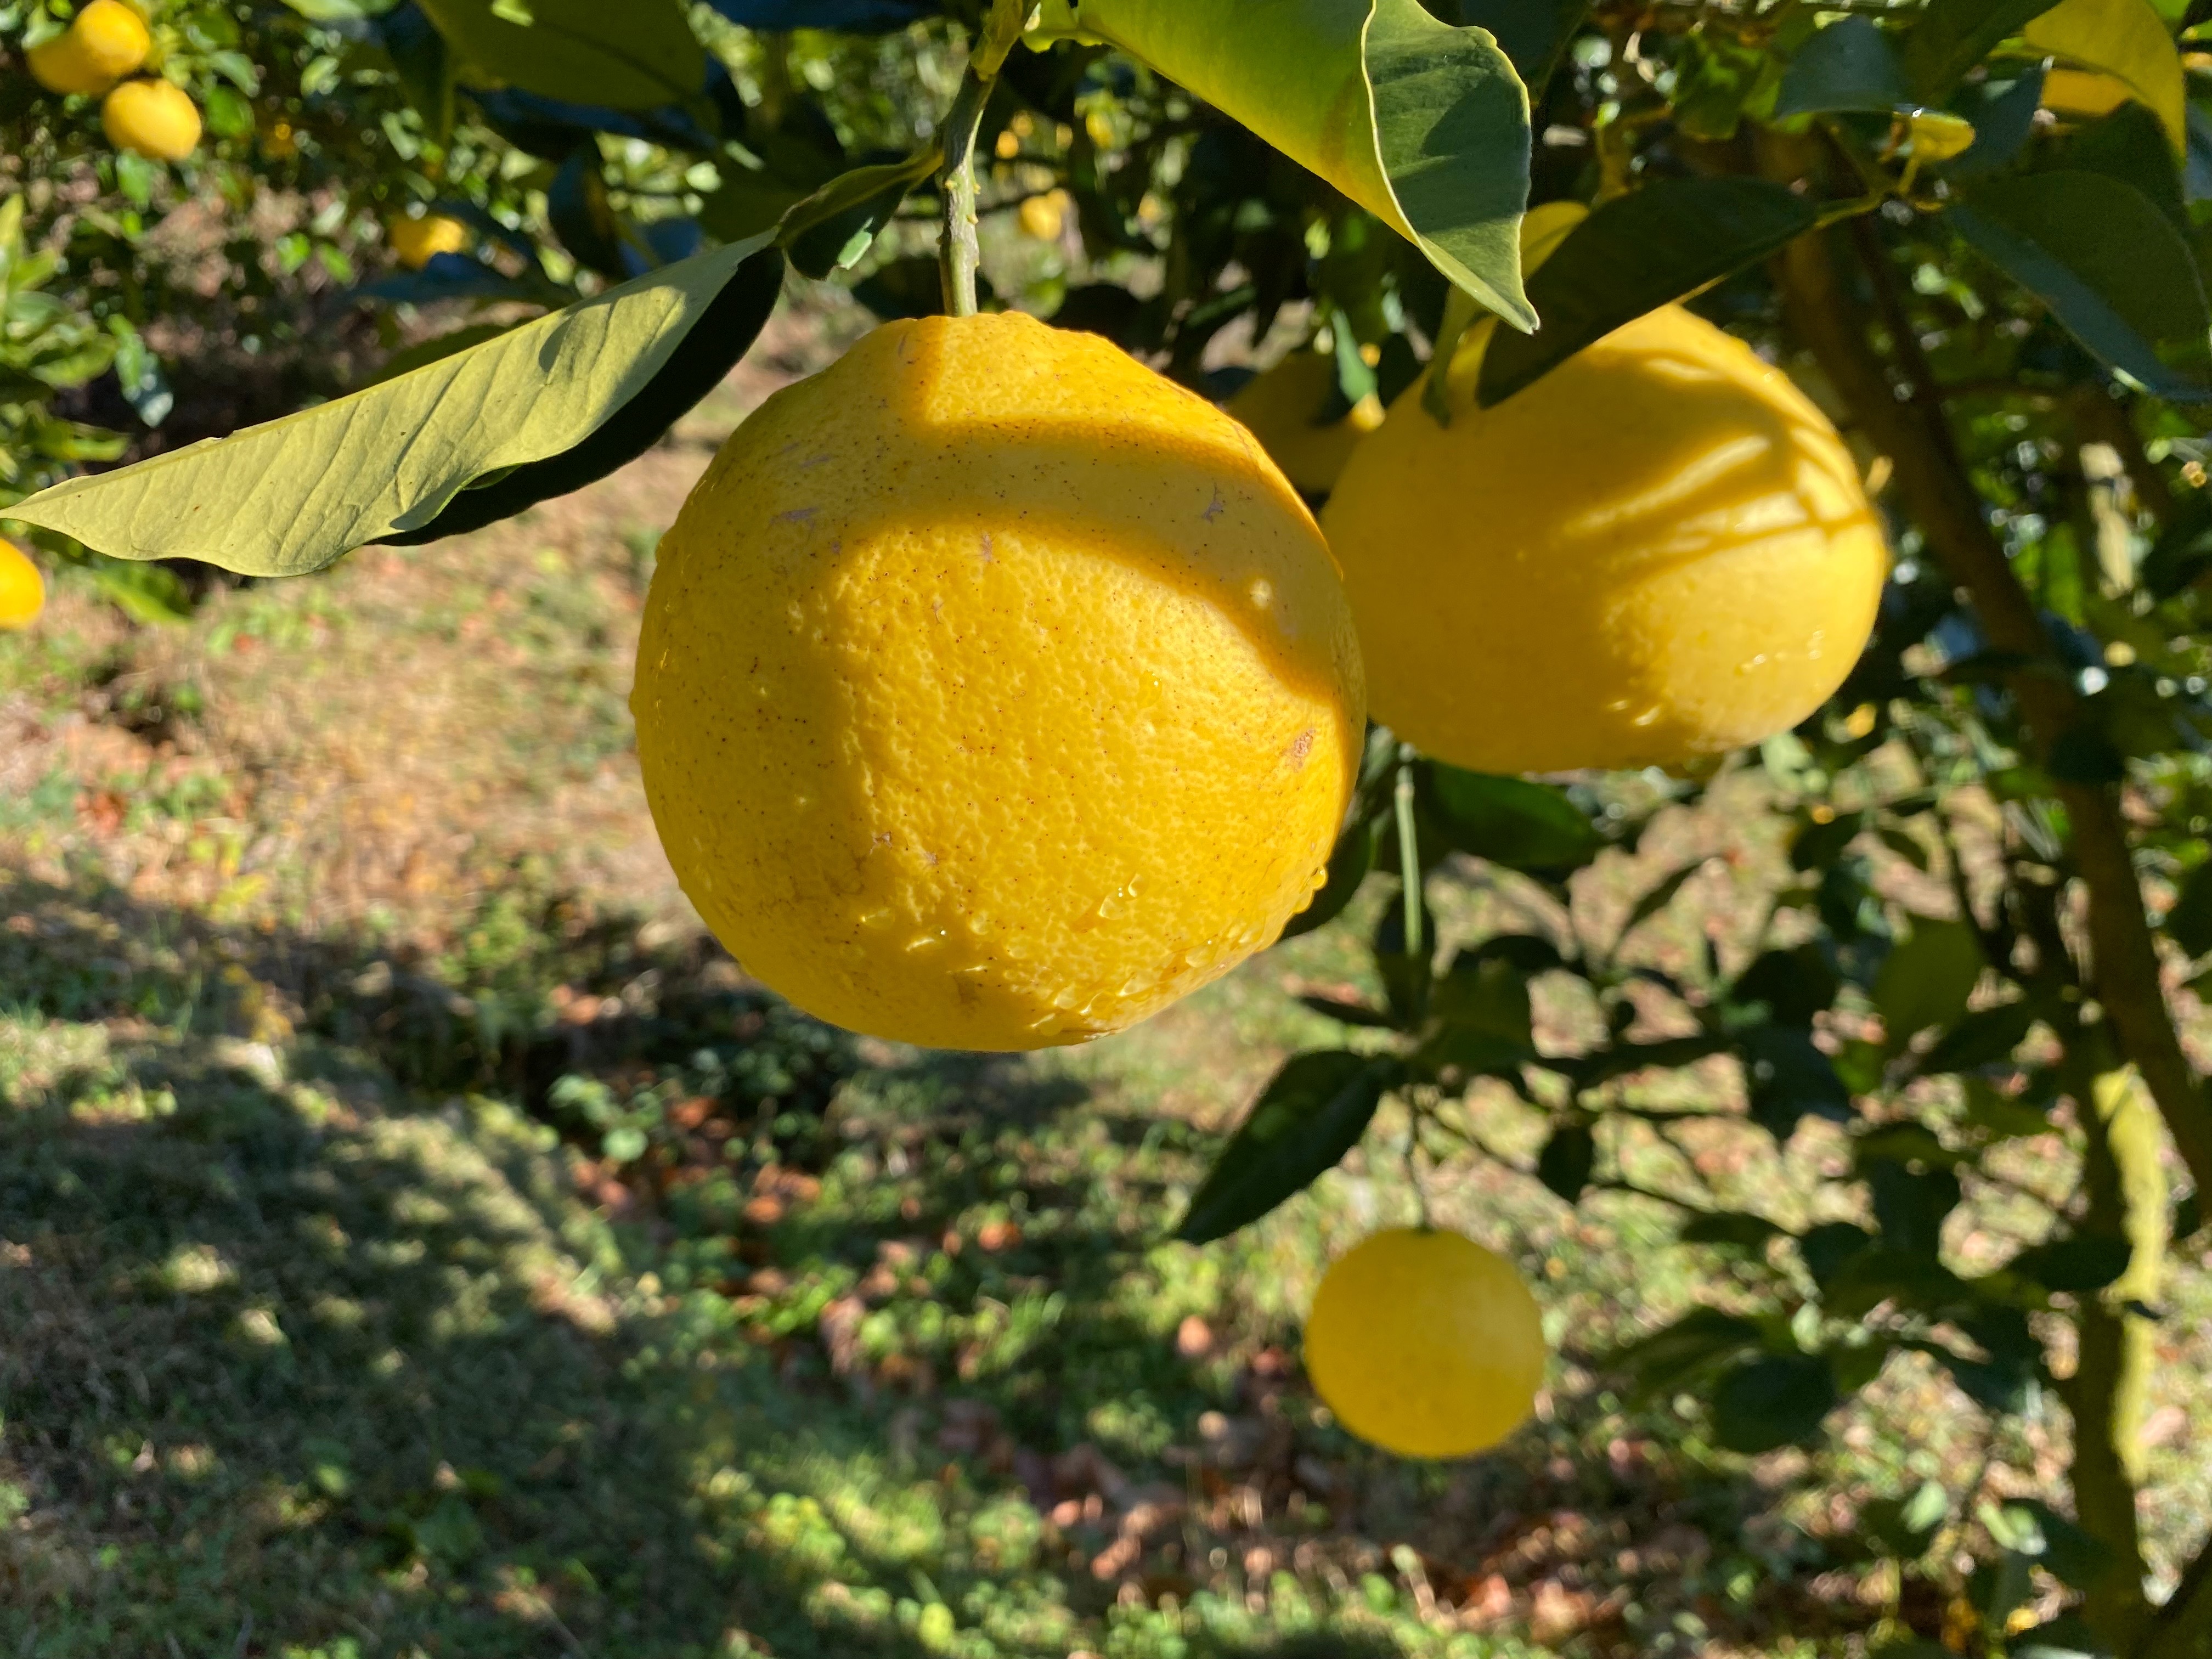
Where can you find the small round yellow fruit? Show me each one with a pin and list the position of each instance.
(22, 591)
(418, 242)
(1658, 552)
(1277, 406)
(152, 117)
(995, 691)
(107, 41)
(1045, 216)
(1423, 1343)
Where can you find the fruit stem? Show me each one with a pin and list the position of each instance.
(957, 255)
(1409, 856)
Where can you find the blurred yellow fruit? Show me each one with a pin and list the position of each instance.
(152, 117)
(22, 591)
(418, 242)
(995, 691)
(107, 41)
(1937, 135)
(1659, 551)
(1045, 216)
(1425, 1344)
(2083, 94)
(1278, 407)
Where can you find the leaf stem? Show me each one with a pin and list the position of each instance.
(957, 255)
(1409, 857)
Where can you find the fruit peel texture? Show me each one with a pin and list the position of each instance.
(994, 692)
(1659, 551)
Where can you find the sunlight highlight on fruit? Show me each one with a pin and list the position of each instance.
(995, 691)
(1658, 552)
(1425, 1343)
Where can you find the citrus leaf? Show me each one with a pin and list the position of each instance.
(634, 56)
(1511, 821)
(2189, 923)
(1634, 254)
(1309, 1117)
(1424, 124)
(2084, 1263)
(1790, 1079)
(852, 17)
(1533, 33)
(1928, 979)
(1567, 1159)
(1776, 1399)
(831, 228)
(1675, 1358)
(2126, 40)
(1953, 36)
(538, 411)
(1848, 65)
(1656, 900)
(1984, 1037)
(2109, 264)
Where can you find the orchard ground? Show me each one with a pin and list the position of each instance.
(416, 1236)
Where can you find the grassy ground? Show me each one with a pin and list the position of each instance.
(414, 1238)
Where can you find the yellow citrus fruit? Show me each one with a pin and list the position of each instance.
(995, 691)
(22, 591)
(154, 118)
(1425, 1344)
(417, 241)
(1045, 216)
(1279, 405)
(1659, 551)
(107, 41)
(2085, 93)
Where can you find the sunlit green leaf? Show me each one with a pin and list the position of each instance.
(633, 56)
(1309, 1116)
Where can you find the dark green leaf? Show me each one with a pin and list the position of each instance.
(1828, 1246)
(1818, 844)
(1776, 1399)
(1485, 994)
(1656, 900)
(1927, 980)
(1566, 1162)
(1732, 1230)
(1954, 35)
(1352, 1013)
(2129, 144)
(1534, 33)
(1673, 1359)
(2189, 923)
(2076, 1557)
(1985, 1037)
(1790, 1079)
(1792, 985)
(1309, 1117)
(2073, 1265)
(1635, 253)
(2003, 113)
(2111, 266)
(1526, 953)
(1848, 65)
(1909, 1206)
(1879, 1273)
(838, 223)
(1348, 865)
(1511, 821)
(634, 56)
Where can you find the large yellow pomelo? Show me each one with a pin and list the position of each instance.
(154, 118)
(994, 691)
(22, 590)
(1279, 405)
(103, 43)
(1425, 1343)
(1661, 551)
(418, 242)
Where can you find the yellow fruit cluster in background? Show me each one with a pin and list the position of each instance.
(417, 241)
(106, 42)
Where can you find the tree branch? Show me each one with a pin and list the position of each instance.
(1824, 313)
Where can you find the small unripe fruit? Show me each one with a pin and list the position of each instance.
(152, 118)
(107, 41)
(418, 242)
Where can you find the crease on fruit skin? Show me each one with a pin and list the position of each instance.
(947, 702)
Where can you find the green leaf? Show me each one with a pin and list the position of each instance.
(1511, 821)
(1776, 1399)
(1790, 1079)
(1656, 900)
(2127, 145)
(1848, 65)
(1488, 995)
(1348, 865)
(1676, 1357)
(143, 592)
(1534, 33)
(2127, 40)
(1792, 986)
(1309, 1116)
(1984, 1037)
(1954, 36)
(634, 56)
(831, 230)
(2073, 1265)
(1424, 124)
(535, 412)
(2110, 265)
(1566, 1162)
(2075, 1557)
(1828, 1246)
(1910, 1206)
(1633, 254)
(1928, 979)
(1730, 1229)
(2189, 923)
